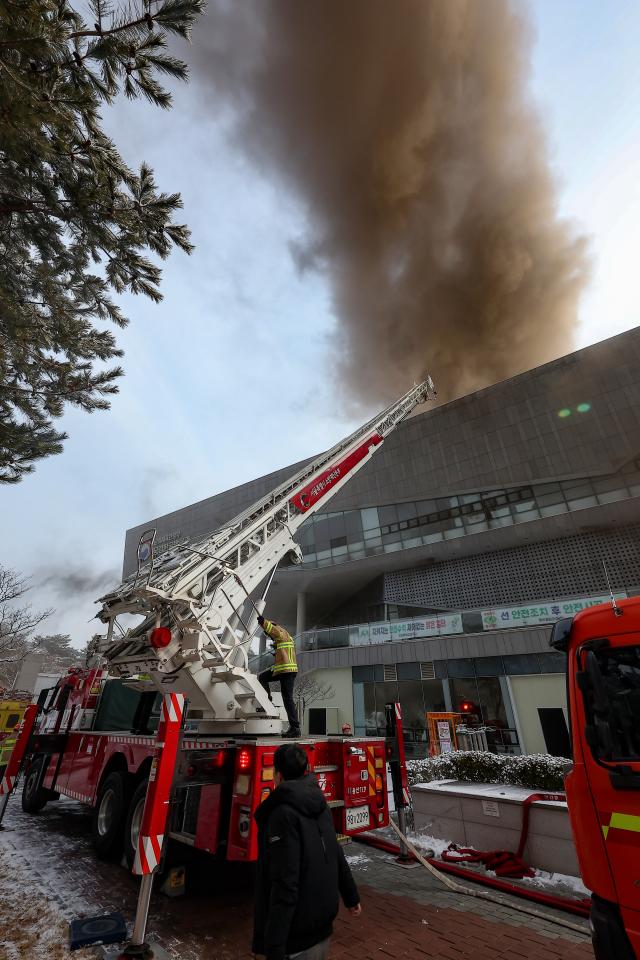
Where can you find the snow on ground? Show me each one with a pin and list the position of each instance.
(427, 845)
(546, 881)
(359, 860)
(560, 884)
(31, 924)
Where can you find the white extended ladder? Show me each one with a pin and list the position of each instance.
(203, 591)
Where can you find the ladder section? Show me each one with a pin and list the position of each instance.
(201, 593)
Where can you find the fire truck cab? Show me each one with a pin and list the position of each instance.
(602, 645)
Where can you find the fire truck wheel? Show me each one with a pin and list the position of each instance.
(33, 797)
(108, 816)
(134, 820)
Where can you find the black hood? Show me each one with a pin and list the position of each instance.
(304, 795)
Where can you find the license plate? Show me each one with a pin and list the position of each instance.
(356, 818)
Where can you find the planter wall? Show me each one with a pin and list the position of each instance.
(489, 817)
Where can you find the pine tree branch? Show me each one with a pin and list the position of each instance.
(68, 201)
(148, 19)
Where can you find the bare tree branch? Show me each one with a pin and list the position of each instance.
(310, 689)
(17, 621)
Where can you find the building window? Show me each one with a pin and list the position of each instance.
(552, 662)
(491, 703)
(489, 666)
(408, 671)
(329, 538)
(414, 722)
(420, 697)
(461, 668)
(521, 663)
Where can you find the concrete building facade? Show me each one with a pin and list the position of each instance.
(433, 575)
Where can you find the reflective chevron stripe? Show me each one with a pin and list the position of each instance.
(371, 767)
(6, 785)
(148, 854)
(156, 804)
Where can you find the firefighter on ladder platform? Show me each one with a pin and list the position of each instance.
(284, 670)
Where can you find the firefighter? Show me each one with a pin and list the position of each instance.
(284, 670)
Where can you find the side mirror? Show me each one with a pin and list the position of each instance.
(560, 634)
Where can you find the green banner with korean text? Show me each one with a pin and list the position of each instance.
(536, 614)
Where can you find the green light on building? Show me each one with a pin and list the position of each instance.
(565, 412)
(583, 407)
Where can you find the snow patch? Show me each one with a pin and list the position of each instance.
(30, 924)
(424, 843)
(548, 881)
(357, 859)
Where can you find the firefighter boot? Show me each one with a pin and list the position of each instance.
(293, 733)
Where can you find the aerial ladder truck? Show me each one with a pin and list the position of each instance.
(196, 609)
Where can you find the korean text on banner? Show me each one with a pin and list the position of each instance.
(537, 614)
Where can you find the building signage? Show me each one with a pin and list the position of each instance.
(444, 730)
(436, 626)
(538, 614)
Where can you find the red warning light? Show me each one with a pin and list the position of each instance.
(466, 706)
(160, 637)
(244, 760)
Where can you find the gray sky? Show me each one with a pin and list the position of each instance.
(230, 376)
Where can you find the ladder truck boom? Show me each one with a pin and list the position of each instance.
(196, 600)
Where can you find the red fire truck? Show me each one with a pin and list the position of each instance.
(603, 788)
(195, 610)
(94, 743)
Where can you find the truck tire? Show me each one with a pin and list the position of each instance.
(133, 822)
(107, 827)
(34, 797)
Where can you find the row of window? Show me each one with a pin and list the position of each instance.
(467, 667)
(476, 508)
(351, 535)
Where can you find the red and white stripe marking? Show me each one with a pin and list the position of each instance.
(6, 784)
(172, 707)
(137, 741)
(74, 795)
(148, 854)
(156, 804)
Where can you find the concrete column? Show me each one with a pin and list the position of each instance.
(301, 613)
(446, 690)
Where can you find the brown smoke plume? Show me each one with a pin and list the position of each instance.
(405, 128)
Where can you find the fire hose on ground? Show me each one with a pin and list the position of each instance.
(437, 869)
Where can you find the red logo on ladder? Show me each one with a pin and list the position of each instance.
(315, 490)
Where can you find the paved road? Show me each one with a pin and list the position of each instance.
(406, 913)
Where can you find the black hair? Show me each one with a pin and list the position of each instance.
(290, 761)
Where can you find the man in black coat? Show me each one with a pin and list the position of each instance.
(302, 870)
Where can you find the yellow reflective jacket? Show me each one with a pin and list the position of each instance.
(285, 648)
